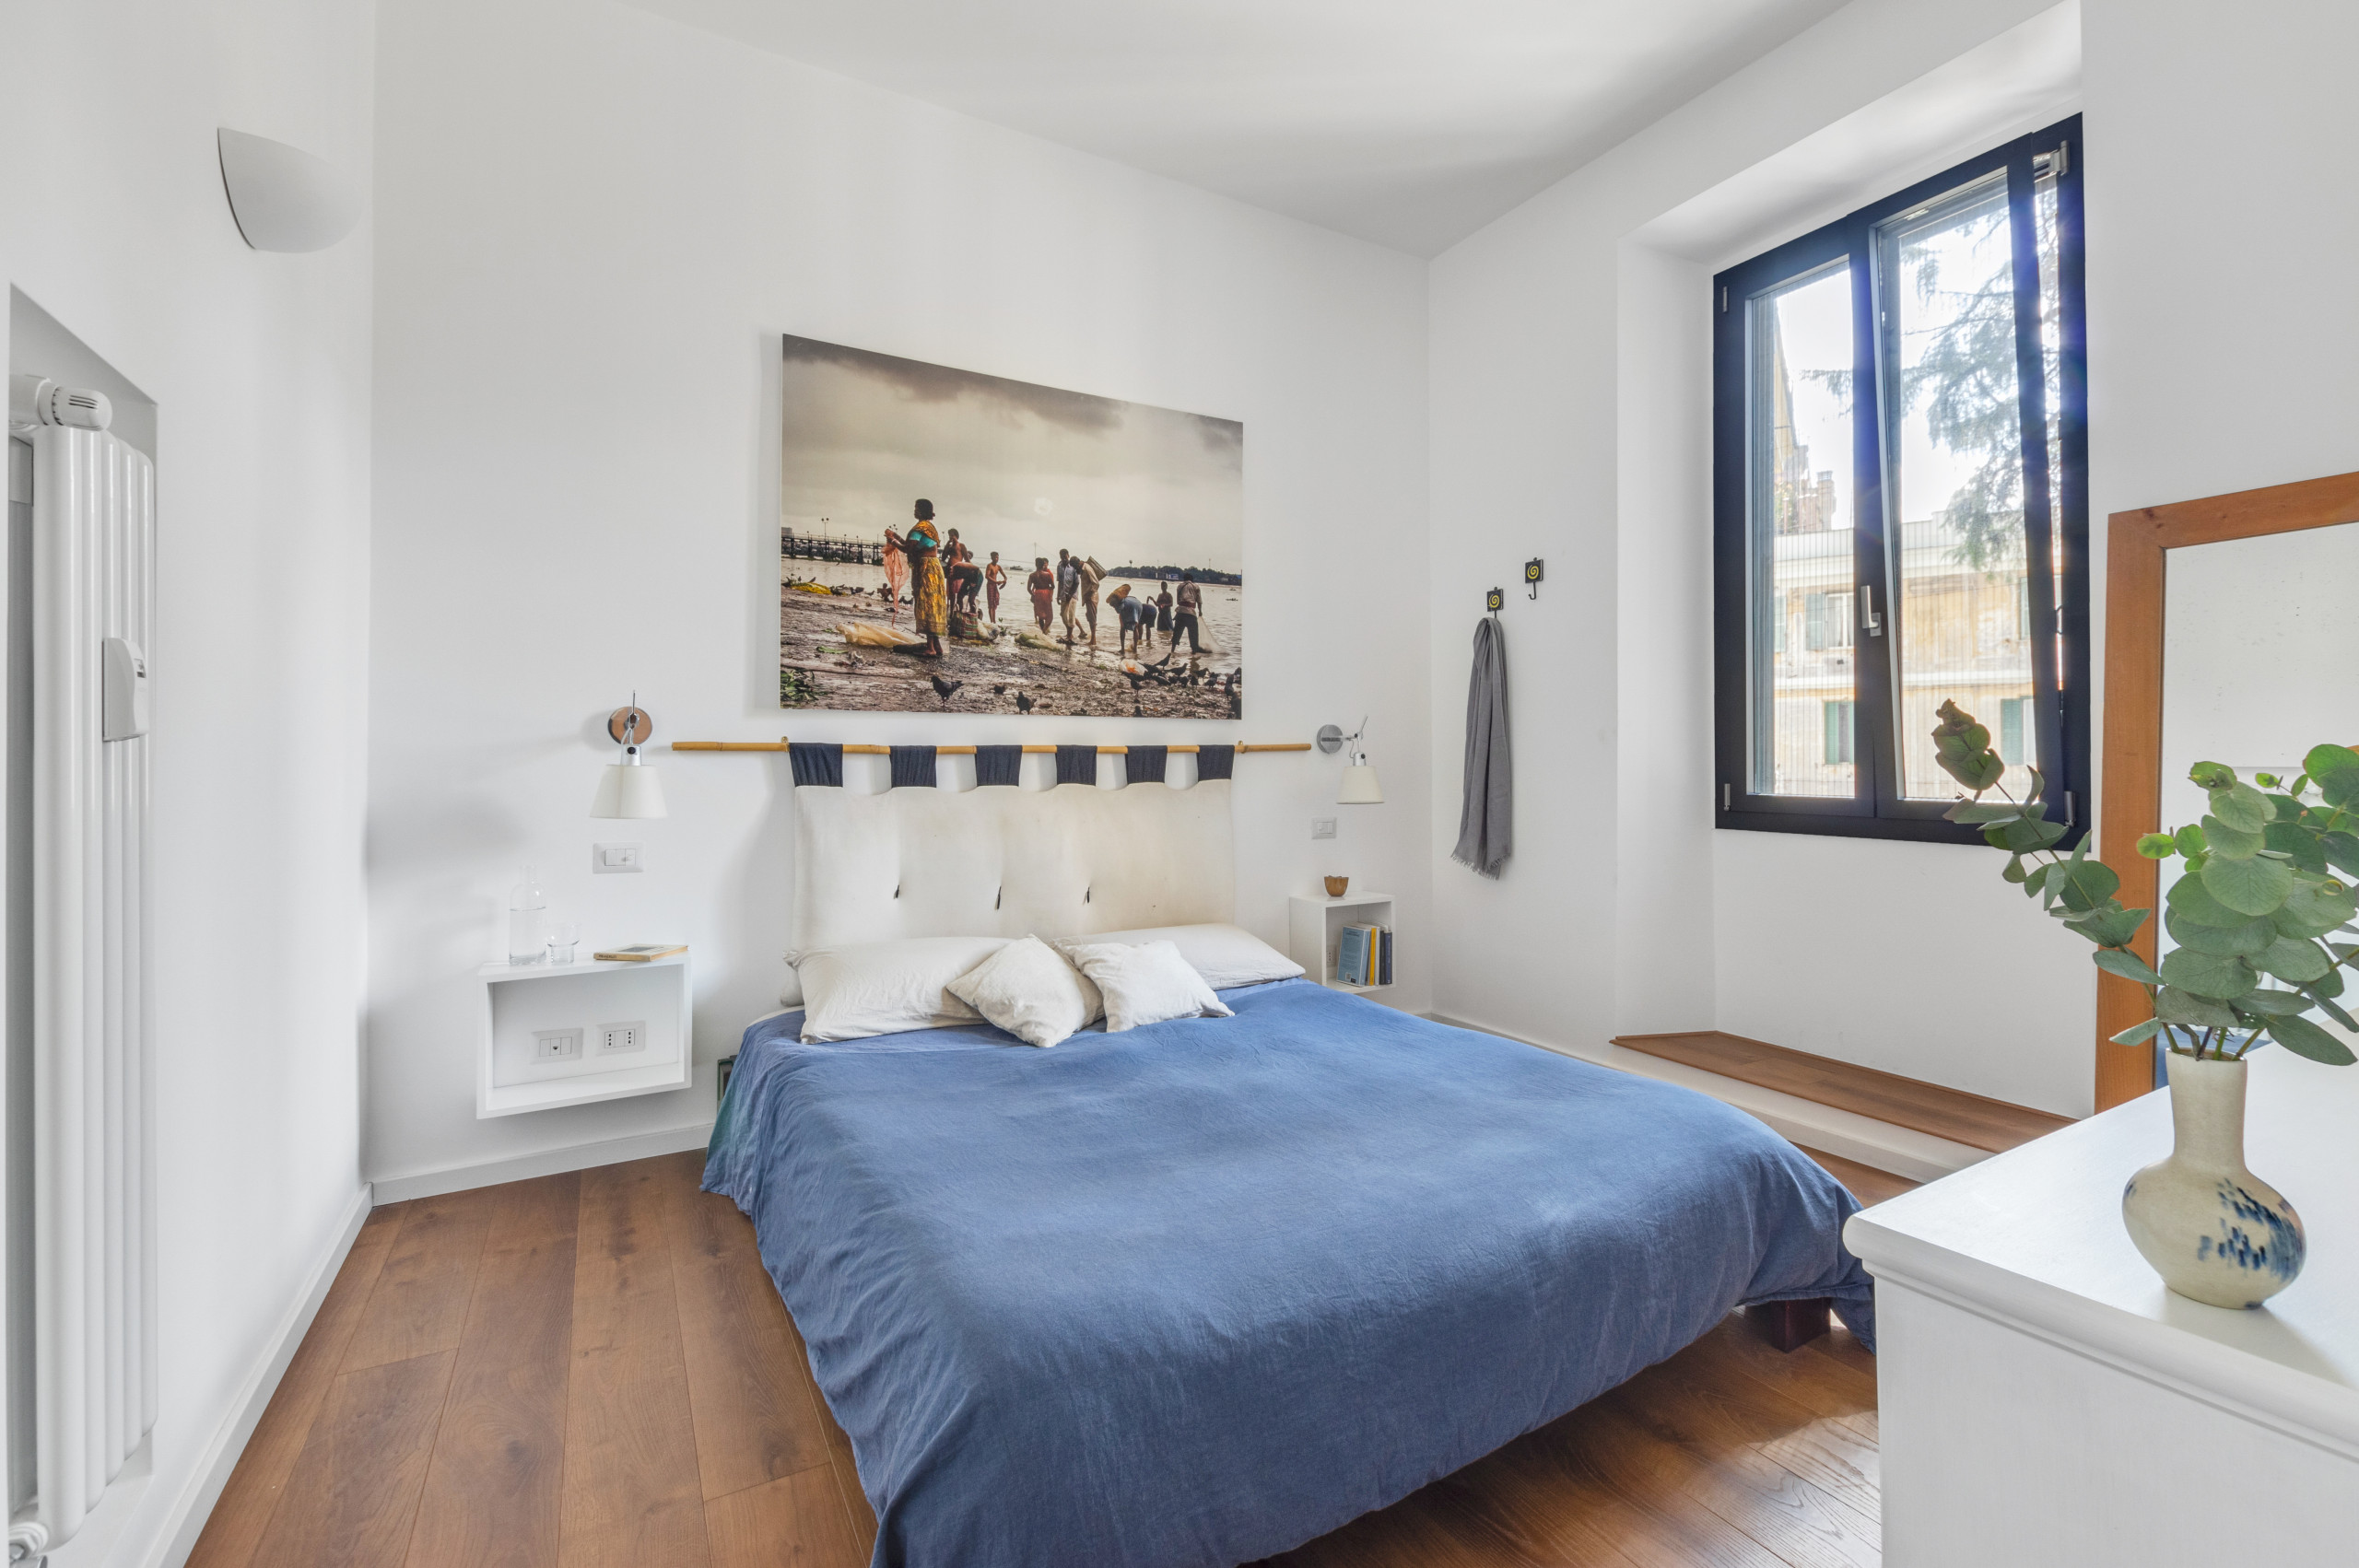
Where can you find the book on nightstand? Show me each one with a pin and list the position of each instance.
(640, 954)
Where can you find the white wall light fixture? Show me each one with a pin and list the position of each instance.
(282, 197)
(629, 788)
(1361, 786)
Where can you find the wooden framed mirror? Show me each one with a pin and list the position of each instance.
(2147, 678)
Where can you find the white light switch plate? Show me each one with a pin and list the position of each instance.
(556, 1045)
(621, 1037)
(1322, 827)
(609, 858)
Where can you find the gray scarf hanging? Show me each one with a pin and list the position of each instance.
(1486, 820)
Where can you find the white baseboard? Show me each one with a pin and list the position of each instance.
(1903, 1151)
(176, 1537)
(548, 1161)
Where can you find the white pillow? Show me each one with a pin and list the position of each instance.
(885, 987)
(1224, 955)
(1028, 990)
(1144, 983)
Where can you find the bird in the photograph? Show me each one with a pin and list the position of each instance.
(1236, 706)
(1000, 690)
(1023, 702)
(945, 690)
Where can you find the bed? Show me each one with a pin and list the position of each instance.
(1191, 1294)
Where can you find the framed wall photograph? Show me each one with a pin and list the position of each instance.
(956, 542)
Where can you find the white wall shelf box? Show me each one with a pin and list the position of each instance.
(521, 1000)
(1315, 926)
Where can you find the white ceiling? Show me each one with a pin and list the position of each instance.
(1410, 122)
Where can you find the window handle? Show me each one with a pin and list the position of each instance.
(1870, 622)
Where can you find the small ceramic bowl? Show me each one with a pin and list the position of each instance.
(1336, 886)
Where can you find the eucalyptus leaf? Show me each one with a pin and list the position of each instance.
(2253, 887)
(2341, 787)
(2174, 1006)
(2206, 973)
(2230, 842)
(2210, 776)
(2273, 1004)
(2341, 849)
(2024, 833)
(2242, 807)
(2189, 900)
(2138, 1034)
(2319, 761)
(2086, 884)
(2109, 925)
(2333, 1010)
(2254, 936)
(2289, 808)
(2129, 966)
(2190, 839)
(2034, 878)
(1975, 811)
(2157, 846)
(2314, 906)
(2298, 845)
(2291, 960)
(2014, 871)
(2305, 1038)
(2326, 984)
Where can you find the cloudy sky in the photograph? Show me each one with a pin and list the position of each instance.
(1021, 469)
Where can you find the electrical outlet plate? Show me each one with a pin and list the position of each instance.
(605, 859)
(617, 1038)
(556, 1045)
(1322, 827)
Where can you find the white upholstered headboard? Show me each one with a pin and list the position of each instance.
(1003, 861)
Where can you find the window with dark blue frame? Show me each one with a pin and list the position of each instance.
(1900, 499)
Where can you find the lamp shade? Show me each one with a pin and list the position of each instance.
(1361, 787)
(629, 790)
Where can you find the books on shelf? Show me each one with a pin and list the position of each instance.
(643, 954)
(1364, 955)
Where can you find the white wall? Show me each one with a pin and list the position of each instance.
(1570, 395)
(593, 225)
(112, 219)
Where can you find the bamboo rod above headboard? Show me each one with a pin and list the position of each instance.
(781, 744)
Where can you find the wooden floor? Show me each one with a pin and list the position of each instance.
(1912, 1103)
(592, 1370)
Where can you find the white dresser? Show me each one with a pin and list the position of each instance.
(2044, 1400)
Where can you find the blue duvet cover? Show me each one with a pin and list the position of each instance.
(1193, 1293)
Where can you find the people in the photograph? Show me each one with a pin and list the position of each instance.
(1135, 617)
(995, 578)
(965, 577)
(897, 578)
(922, 545)
(1187, 610)
(1089, 580)
(1163, 613)
(1068, 589)
(1042, 586)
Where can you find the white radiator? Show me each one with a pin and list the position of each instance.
(94, 1183)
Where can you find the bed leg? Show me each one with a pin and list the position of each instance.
(1789, 1325)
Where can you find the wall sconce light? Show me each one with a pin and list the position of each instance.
(1361, 786)
(282, 198)
(629, 788)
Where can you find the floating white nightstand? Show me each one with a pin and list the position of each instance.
(572, 1033)
(1315, 929)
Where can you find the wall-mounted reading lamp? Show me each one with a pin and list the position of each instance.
(629, 788)
(1361, 786)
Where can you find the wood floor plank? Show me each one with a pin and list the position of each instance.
(857, 1507)
(749, 1382)
(236, 1526)
(1737, 1409)
(493, 1490)
(633, 1496)
(1577, 1492)
(1805, 1527)
(796, 1521)
(420, 1307)
(353, 1497)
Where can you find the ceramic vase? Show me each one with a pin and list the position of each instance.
(2211, 1229)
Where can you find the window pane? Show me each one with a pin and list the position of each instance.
(1953, 477)
(1799, 527)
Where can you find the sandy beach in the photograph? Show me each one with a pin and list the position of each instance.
(1005, 667)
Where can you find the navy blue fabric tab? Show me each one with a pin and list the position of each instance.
(912, 767)
(814, 763)
(1146, 764)
(998, 765)
(1077, 764)
(1216, 762)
